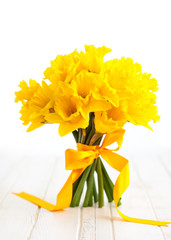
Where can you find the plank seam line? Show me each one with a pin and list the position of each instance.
(18, 170)
(45, 193)
(81, 214)
(95, 219)
(34, 223)
(11, 170)
(148, 197)
(164, 166)
(80, 225)
(113, 230)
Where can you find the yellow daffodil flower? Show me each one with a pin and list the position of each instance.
(26, 92)
(92, 59)
(134, 89)
(86, 87)
(67, 114)
(37, 101)
(63, 68)
(110, 121)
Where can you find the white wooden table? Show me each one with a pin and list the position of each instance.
(149, 196)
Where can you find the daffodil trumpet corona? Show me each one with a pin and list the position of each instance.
(92, 99)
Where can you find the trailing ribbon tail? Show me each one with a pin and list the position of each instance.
(78, 160)
(122, 184)
(64, 197)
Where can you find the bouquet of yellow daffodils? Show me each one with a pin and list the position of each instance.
(93, 100)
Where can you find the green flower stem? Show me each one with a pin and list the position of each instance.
(97, 142)
(119, 203)
(88, 129)
(75, 134)
(75, 185)
(83, 138)
(90, 203)
(78, 192)
(90, 136)
(95, 191)
(109, 182)
(100, 183)
(91, 130)
(79, 135)
(89, 193)
(107, 189)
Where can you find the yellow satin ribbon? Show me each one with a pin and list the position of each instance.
(78, 160)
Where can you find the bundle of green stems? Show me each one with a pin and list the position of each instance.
(89, 136)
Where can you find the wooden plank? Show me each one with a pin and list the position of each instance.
(7, 164)
(135, 204)
(18, 216)
(9, 178)
(57, 225)
(88, 223)
(156, 182)
(96, 222)
(104, 227)
(166, 163)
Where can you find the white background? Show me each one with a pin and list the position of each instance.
(33, 32)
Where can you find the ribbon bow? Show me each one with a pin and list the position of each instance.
(78, 160)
